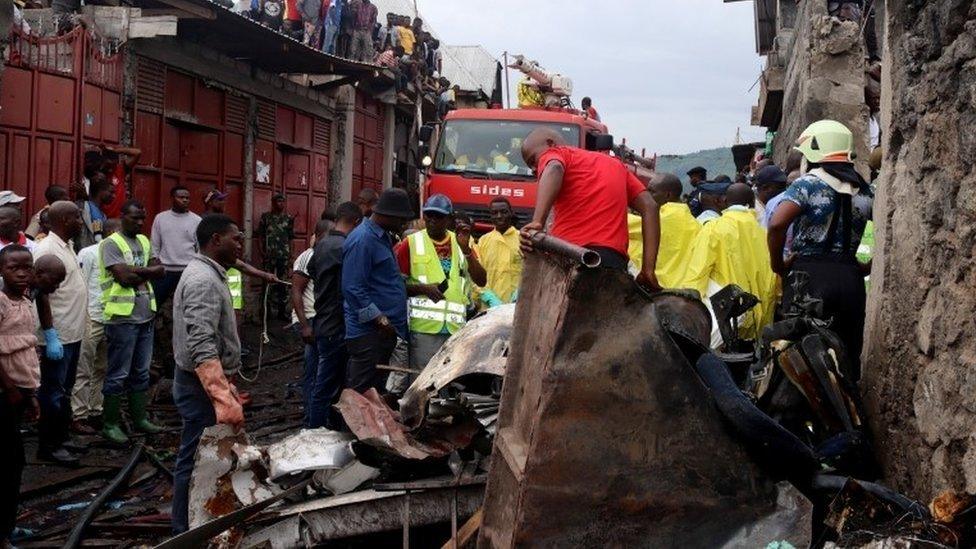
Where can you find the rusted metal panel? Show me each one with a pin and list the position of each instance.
(208, 105)
(233, 155)
(57, 95)
(297, 205)
(16, 96)
(284, 125)
(111, 116)
(296, 170)
(234, 206)
(320, 179)
(199, 152)
(603, 419)
(303, 131)
(91, 112)
(171, 146)
(148, 135)
(179, 92)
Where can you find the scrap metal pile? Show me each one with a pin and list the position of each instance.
(434, 444)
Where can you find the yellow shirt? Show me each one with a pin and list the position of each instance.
(678, 231)
(502, 259)
(407, 39)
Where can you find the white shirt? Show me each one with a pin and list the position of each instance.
(708, 215)
(69, 303)
(308, 296)
(88, 257)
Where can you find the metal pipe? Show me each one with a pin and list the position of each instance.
(548, 243)
(74, 539)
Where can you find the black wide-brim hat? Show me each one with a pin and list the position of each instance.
(394, 203)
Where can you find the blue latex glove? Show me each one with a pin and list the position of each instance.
(490, 299)
(53, 349)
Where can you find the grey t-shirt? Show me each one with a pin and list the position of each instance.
(174, 238)
(112, 255)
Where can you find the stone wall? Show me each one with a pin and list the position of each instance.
(824, 79)
(920, 354)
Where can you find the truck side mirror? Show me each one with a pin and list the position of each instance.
(599, 141)
(426, 132)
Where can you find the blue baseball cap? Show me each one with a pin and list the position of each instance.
(713, 188)
(440, 204)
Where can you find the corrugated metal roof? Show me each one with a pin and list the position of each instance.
(472, 67)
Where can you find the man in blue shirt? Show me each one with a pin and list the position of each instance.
(374, 292)
(770, 184)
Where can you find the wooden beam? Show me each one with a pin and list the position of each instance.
(466, 532)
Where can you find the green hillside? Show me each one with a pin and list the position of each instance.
(716, 161)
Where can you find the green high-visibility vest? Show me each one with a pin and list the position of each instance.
(235, 281)
(427, 317)
(118, 299)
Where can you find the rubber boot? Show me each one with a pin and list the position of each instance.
(111, 418)
(139, 415)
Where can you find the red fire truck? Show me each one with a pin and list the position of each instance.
(477, 155)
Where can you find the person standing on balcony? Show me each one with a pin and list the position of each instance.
(362, 36)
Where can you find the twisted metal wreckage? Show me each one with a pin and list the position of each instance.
(616, 425)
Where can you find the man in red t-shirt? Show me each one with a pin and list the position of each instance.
(117, 172)
(588, 193)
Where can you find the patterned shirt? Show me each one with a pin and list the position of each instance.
(278, 230)
(818, 204)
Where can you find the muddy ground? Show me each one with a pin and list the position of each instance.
(53, 497)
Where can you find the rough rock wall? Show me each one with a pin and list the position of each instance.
(824, 79)
(920, 354)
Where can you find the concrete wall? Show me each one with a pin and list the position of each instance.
(920, 353)
(824, 79)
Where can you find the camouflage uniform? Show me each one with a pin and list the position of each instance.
(277, 230)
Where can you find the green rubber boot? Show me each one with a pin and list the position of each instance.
(139, 415)
(111, 418)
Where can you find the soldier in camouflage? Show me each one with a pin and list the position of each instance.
(275, 233)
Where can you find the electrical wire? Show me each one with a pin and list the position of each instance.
(264, 338)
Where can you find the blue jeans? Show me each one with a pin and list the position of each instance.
(308, 378)
(197, 413)
(130, 349)
(164, 287)
(331, 34)
(324, 387)
(54, 396)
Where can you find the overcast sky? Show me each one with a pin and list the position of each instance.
(669, 75)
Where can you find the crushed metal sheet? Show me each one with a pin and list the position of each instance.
(376, 424)
(211, 487)
(480, 347)
(347, 479)
(309, 450)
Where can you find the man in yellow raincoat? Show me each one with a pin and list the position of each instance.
(732, 250)
(678, 231)
(501, 256)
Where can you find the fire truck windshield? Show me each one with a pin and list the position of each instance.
(491, 147)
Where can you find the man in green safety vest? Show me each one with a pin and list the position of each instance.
(439, 267)
(127, 264)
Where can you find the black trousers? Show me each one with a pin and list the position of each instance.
(365, 353)
(12, 458)
(840, 285)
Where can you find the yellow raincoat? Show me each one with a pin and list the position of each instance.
(502, 259)
(678, 231)
(732, 250)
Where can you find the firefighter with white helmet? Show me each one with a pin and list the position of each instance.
(828, 208)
